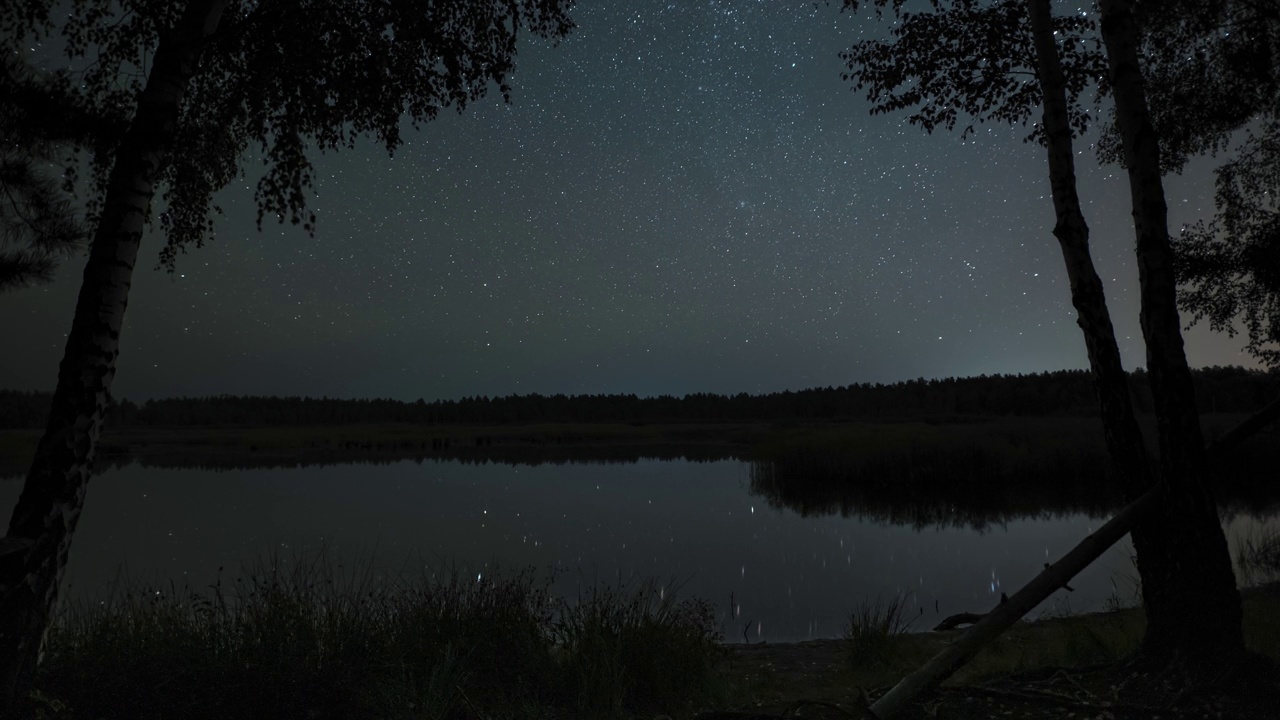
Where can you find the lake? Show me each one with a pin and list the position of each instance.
(695, 527)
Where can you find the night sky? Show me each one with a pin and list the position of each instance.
(682, 197)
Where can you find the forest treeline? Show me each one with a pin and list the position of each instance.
(1060, 393)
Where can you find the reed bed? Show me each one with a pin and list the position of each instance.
(304, 639)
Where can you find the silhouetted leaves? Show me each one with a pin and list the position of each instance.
(971, 62)
(282, 80)
(39, 120)
(1214, 78)
(1231, 264)
(1212, 70)
(1210, 67)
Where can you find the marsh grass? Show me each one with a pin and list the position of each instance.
(873, 630)
(638, 647)
(302, 639)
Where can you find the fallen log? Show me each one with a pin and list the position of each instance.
(987, 627)
(1055, 576)
(951, 622)
(954, 621)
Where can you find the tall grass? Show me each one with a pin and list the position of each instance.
(639, 648)
(303, 640)
(872, 630)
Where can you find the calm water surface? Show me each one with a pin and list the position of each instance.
(694, 527)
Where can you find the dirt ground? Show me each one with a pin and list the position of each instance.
(813, 680)
(1046, 669)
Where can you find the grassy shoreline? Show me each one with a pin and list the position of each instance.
(304, 639)
(301, 640)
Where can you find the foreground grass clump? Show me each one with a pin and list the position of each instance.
(872, 630)
(639, 650)
(297, 640)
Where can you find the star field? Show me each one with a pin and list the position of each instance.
(681, 197)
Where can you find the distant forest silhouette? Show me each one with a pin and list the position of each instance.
(1059, 393)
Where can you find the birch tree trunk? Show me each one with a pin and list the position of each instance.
(1124, 438)
(1194, 611)
(33, 555)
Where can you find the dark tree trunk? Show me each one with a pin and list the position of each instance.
(1194, 610)
(1124, 438)
(33, 555)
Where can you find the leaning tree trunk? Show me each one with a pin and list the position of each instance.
(1124, 438)
(33, 555)
(1195, 609)
(988, 627)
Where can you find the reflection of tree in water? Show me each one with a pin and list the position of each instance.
(920, 476)
(967, 490)
(979, 479)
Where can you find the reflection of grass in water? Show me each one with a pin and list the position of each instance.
(977, 473)
(301, 640)
(921, 475)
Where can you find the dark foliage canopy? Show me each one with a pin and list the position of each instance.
(1212, 70)
(281, 79)
(1231, 263)
(969, 62)
(1214, 74)
(39, 121)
